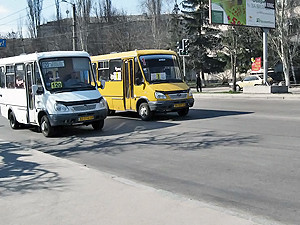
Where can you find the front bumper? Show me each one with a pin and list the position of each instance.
(77, 118)
(171, 106)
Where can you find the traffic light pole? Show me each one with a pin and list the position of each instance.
(182, 48)
(183, 61)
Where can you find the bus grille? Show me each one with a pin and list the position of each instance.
(84, 107)
(178, 95)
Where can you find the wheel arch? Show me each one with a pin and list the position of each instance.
(9, 111)
(140, 101)
(40, 115)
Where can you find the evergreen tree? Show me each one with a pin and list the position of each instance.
(204, 39)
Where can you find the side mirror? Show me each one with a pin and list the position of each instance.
(37, 89)
(139, 81)
(102, 84)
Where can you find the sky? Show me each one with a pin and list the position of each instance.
(13, 13)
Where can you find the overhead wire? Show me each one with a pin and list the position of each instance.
(17, 20)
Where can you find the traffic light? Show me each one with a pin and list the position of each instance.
(185, 46)
(179, 47)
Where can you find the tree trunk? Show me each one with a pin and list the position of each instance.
(292, 67)
(286, 67)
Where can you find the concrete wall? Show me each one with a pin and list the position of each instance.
(261, 89)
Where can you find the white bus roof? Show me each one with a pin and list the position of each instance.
(41, 55)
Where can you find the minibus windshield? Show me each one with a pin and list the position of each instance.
(67, 74)
(161, 68)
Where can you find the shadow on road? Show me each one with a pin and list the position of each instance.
(194, 114)
(18, 174)
(126, 132)
(145, 140)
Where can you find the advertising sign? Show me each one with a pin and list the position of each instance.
(2, 42)
(255, 13)
(256, 64)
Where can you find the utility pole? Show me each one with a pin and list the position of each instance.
(265, 54)
(74, 24)
(74, 27)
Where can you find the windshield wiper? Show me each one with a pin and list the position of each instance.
(166, 81)
(60, 90)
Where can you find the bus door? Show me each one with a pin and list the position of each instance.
(128, 84)
(29, 95)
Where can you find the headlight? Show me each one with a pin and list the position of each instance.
(102, 103)
(190, 93)
(60, 107)
(160, 95)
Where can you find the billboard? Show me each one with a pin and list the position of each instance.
(254, 13)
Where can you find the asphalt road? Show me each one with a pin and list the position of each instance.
(241, 154)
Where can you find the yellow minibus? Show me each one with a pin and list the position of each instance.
(145, 81)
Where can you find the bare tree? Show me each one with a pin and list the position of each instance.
(99, 11)
(154, 10)
(83, 13)
(34, 15)
(58, 13)
(282, 39)
(108, 10)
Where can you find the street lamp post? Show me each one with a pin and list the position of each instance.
(74, 23)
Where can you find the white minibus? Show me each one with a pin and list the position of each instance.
(49, 90)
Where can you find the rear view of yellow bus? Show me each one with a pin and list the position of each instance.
(145, 81)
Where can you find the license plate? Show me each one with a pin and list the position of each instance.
(179, 105)
(84, 118)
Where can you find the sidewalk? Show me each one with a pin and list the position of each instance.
(223, 92)
(40, 189)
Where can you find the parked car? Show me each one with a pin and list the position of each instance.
(251, 80)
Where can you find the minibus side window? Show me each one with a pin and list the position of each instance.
(20, 75)
(37, 78)
(115, 69)
(10, 76)
(94, 67)
(2, 77)
(138, 79)
(103, 71)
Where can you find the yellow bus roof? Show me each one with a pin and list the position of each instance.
(129, 54)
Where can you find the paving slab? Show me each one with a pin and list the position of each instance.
(37, 188)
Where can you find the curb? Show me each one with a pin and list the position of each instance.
(289, 96)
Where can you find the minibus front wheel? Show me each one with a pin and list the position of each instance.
(98, 125)
(145, 112)
(46, 127)
(183, 112)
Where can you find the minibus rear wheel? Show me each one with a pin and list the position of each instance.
(98, 125)
(14, 124)
(46, 127)
(145, 112)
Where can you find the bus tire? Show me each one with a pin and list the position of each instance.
(111, 112)
(98, 125)
(14, 124)
(46, 127)
(145, 112)
(183, 112)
